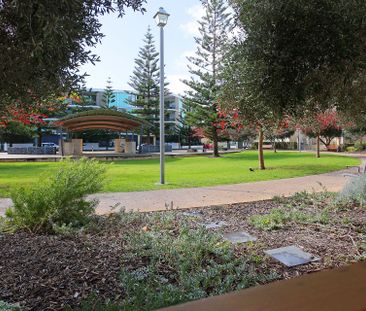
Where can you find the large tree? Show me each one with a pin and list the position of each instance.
(303, 53)
(206, 68)
(16, 132)
(145, 81)
(43, 44)
(295, 57)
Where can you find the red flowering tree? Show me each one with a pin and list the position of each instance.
(324, 126)
(278, 130)
(221, 128)
(34, 115)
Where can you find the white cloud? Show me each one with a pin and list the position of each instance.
(176, 85)
(182, 61)
(195, 12)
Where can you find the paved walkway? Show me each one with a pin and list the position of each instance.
(227, 194)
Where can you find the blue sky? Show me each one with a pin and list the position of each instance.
(124, 37)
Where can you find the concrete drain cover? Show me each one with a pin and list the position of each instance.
(239, 237)
(214, 225)
(291, 256)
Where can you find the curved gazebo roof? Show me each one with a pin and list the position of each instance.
(100, 119)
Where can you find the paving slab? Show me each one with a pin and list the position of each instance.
(291, 256)
(239, 237)
(215, 225)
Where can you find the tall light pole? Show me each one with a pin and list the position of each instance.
(161, 18)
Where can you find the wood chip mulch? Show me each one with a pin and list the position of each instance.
(48, 272)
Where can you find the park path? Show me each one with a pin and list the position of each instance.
(156, 200)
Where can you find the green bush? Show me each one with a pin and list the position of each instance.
(276, 219)
(4, 306)
(359, 147)
(279, 217)
(57, 200)
(354, 191)
(351, 149)
(94, 304)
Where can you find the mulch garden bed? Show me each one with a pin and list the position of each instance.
(49, 272)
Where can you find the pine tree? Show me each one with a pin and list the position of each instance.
(206, 68)
(145, 83)
(108, 96)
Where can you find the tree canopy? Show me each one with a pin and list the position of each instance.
(43, 43)
(302, 51)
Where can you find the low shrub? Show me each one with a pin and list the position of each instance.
(4, 306)
(171, 261)
(276, 219)
(354, 191)
(359, 147)
(57, 201)
(306, 199)
(94, 304)
(279, 217)
(178, 264)
(351, 149)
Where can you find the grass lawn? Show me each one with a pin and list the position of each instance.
(135, 175)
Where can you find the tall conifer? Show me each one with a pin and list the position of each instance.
(145, 83)
(108, 96)
(206, 68)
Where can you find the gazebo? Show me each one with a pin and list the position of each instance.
(99, 119)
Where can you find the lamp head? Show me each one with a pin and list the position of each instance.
(161, 17)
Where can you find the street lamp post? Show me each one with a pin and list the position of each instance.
(161, 18)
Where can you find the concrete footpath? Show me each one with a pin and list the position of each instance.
(156, 200)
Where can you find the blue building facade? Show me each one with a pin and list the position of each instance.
(122, 100)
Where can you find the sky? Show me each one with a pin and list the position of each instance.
(123, 38)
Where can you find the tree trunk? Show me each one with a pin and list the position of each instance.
(215, 143)
(274, 147)
(228, 145)
(141, 136)
(189, 138)
(318, 146)
(39, 137)
(260, 149)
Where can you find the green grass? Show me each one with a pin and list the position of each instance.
(135, 175)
